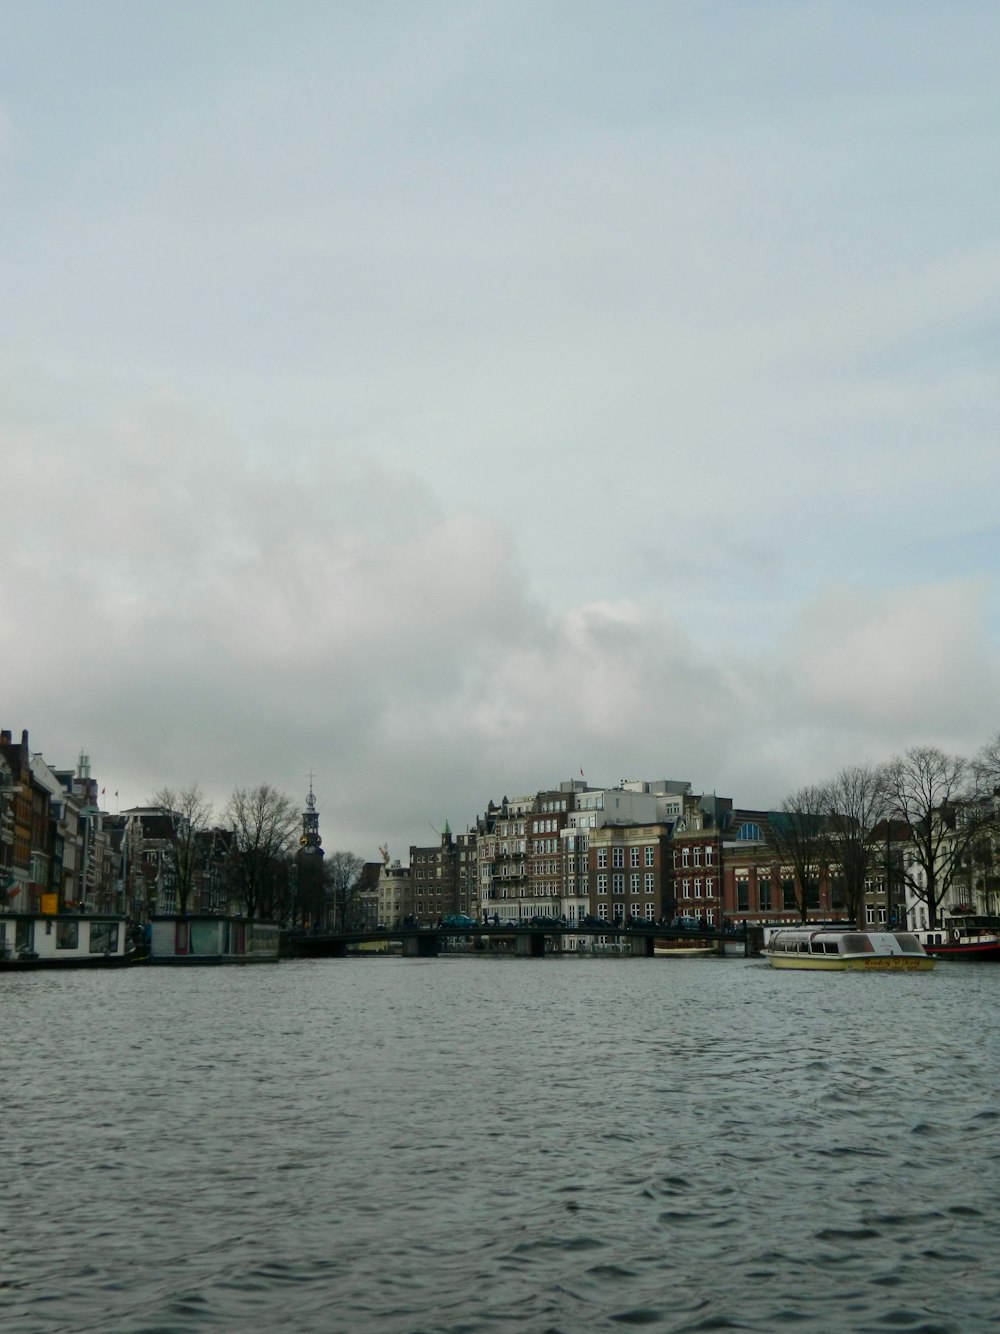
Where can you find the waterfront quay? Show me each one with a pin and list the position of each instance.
(522, 939)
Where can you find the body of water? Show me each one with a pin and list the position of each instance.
(465, 1145)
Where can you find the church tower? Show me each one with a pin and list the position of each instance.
(310, 886)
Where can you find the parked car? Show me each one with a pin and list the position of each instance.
(547, 921)
(686, 924)
(457, 919)
(591, 920)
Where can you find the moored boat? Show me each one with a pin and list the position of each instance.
(63, 940)
(826, 950)
(684, 949)
(970, 938)
(203, 939)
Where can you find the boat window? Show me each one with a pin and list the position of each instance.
(67, 935)
(103, 937)
(909, 942)
(831, 947)
(856, 943)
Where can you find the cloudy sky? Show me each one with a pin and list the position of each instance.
(446, 398)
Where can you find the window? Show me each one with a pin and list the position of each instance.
(602, 884)
(685, 889)
(742, 896)
(650, 856)
(650, 882)
(697, 855)
(617, 856)
(788, 894)
(67, 935)
(650, 909)
(602, 856)
(708, 855)
(633, 856)
(618, 883)
(103, 937)
(602, 911)
(697, 886)
(685, 854)
(635, 882)
(764, 894)
(749, 832)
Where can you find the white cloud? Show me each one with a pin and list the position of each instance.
(907, 666)
(616, 395)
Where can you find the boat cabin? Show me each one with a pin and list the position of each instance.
(210, 939)
(61, 940)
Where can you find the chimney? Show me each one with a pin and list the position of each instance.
(4, 738)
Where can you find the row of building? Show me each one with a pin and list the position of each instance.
(61, 851)
(649, 850)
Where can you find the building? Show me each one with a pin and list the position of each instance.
(696, 860)
(393, 893)
(443, 878)
(630, 871)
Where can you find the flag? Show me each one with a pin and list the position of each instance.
(116, 792)
(103, 790)
(581, 773)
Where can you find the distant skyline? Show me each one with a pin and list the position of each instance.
(447, 398)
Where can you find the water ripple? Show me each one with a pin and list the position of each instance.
(464, 1146)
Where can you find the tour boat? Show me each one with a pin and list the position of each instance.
(828, 950)
(976, 939)
(63, 940)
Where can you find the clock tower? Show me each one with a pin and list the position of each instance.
(310, 884)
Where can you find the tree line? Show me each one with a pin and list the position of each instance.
(267, 875)
(941, 808)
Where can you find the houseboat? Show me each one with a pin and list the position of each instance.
(969, 938)
(63, 940)
(826, 950)
(205, 939)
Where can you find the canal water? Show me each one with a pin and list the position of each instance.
(465, 1145)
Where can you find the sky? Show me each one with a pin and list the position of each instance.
(449, 399)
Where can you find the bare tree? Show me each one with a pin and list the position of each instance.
(189, 814)
(342, 872)
(856, 806)
(986, 767)
(798, 838)
(983, 858)
(934, 795)
(262, 821)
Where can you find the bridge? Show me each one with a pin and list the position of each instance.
(530, 941)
